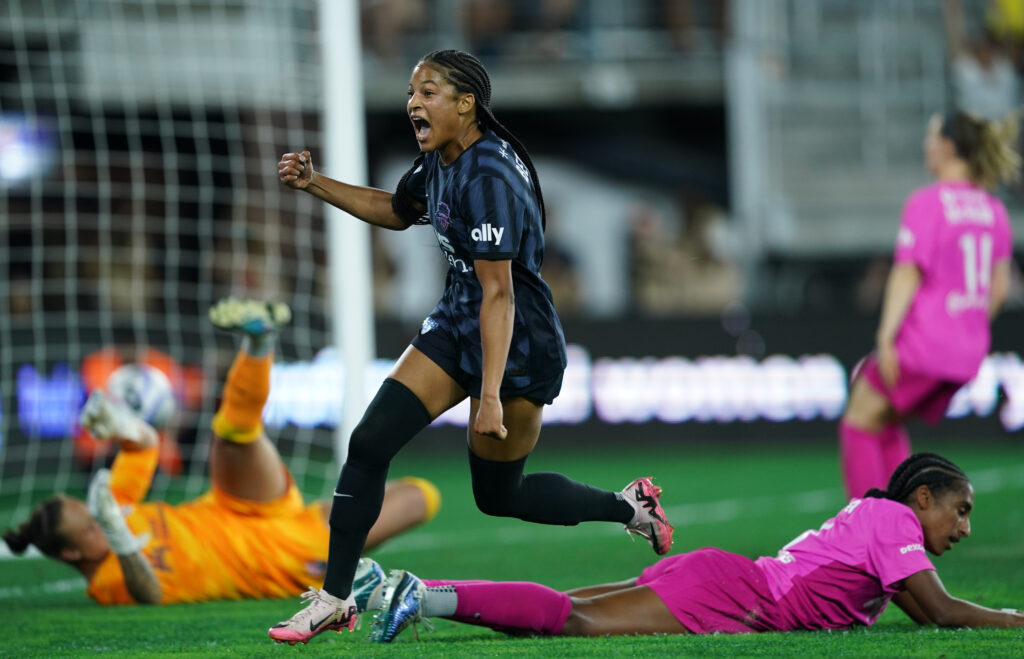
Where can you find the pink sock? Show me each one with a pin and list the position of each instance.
(510, 605)
(863, 464)
(895, 447)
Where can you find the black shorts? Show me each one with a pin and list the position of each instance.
(441, 347)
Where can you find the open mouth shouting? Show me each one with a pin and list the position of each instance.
(421, 127)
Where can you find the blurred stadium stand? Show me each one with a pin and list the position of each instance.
(802, 118)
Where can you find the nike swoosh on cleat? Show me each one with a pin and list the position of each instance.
(654, 537)
(339, 494)
(314, 625)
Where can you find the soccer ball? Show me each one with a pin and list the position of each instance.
(146, 391)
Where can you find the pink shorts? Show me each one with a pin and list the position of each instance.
(914, 394)
(710, 590)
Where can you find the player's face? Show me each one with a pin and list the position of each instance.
(433, 108)
(936, 146)
(947, 519)
(81, 531)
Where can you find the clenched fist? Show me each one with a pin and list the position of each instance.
(296, 170)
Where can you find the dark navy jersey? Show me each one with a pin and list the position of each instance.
(483, 206)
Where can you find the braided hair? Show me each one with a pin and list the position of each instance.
(467, 74)
(935, 471)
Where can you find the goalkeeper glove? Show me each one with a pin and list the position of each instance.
(106, 419)
(107, 512)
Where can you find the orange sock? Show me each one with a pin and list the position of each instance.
(431, 494)
(239, 418)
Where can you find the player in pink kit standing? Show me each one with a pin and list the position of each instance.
(840, 575)
(950, 275)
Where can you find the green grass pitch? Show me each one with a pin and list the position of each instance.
(748, 498)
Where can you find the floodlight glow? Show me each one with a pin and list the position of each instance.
(26, 147)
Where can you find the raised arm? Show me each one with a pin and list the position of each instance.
(929, 603)
(370, 205)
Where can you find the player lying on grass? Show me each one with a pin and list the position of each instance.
(840, 575)
(249, 536)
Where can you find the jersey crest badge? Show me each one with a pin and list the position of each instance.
(444, 216)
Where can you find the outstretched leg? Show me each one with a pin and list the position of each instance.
(523, 607)
(244, 463)
(503, 490)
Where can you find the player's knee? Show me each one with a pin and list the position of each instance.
(391, 419)
(365, 449)
(579, 623)
(495, 502)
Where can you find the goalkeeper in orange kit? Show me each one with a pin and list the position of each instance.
(250, 536)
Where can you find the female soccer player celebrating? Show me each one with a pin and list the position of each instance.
(949, 279)
(840, 575)
(494, 335)
(250, 536)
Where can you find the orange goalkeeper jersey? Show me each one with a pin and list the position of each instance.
(216, 546)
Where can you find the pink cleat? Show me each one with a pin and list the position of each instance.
(323, 612)
(649, 519)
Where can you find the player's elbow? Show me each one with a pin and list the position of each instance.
(499, 294)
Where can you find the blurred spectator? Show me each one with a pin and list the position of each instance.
(560, 269)
(1005, 19)
(385, 22)
(485, 23)
(985, 81)
(679, 17)
(548, 20)
(545, 23)
(687, 273)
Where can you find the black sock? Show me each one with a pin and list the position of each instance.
(393, 418)
(501, 489)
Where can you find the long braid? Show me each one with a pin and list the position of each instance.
(929, 469)
(468, 75)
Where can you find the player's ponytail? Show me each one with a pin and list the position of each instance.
(988, 147)
(468, 75)
(403, 204)
(40, 530)
(935, 471)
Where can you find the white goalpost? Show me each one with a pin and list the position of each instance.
(349, 253)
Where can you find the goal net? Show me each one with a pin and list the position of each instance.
(138, 144)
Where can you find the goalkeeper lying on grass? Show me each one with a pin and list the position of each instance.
(249, 536)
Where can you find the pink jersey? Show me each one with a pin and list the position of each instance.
(954, 233)
(846, 572)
